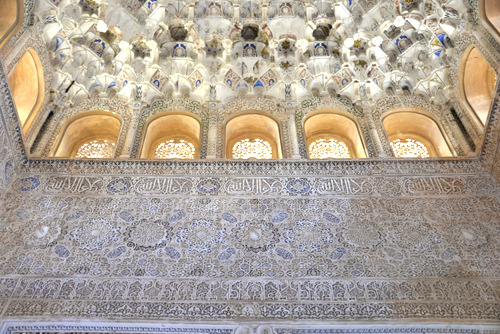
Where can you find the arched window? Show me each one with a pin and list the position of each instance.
(11, 18)
(332, 135)
(414, 133)
(477, 81)
(253, 136)
(490, 12)
(28, 87)
(91, 135)
(171, 135)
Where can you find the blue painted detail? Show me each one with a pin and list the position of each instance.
(117, 252)
(180, 50)
(8, 171)
(338, 253)
(98, 46)
(403, 43)
(125, 216)
(320, 50)
(75, 216)
(21, 213)
(59, 41)
(442, 38)
(61, 251)
(118, 186)
(280, 217)
(283, 253)
(28, 184)
(242, 84)
(298, 186)
(227, 254)
(172, 253)
(208, 186)
(176, 217)
(331, 217)
(258, 83)
(249, 50)
(229, 218)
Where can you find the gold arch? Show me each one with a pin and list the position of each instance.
(84, 128)
(11, 18)
(334, 124)
(170, 125)
(489, 11)
(417, 124)
(28, 88)
(477, 85)
(252, 125)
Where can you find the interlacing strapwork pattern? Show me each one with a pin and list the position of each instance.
(409, 148)
(252, 149)
(328, 149)
(175, 149)
(96, 149)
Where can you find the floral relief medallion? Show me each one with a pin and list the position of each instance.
(256, 235)
(95, 234)
(148, 235)
(467, 234)
(201, 235)
(309, 236)
(42, 233)
(417, 235)
(362, 233)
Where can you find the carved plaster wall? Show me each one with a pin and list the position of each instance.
(131, 246)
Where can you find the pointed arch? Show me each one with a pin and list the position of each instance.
(477, 85)
(11, 19)
(28, 88)
(489, 11)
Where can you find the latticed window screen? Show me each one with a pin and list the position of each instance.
(328, 149)
(252, 149)
(96, 149)
(409, 148)
(175, 149)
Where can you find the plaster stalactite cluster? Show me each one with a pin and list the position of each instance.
(214, 52)
(96, 149)
(357, 49)
(328, 149)
(409, 148)
(252, 149)
(175, 149)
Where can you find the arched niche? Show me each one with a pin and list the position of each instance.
(11, 18)
(490, 12)
(170, 126)
(254, 125)
(28, 88)
(85, 128)
(477, 83)
(335, 126)
(417, 125)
